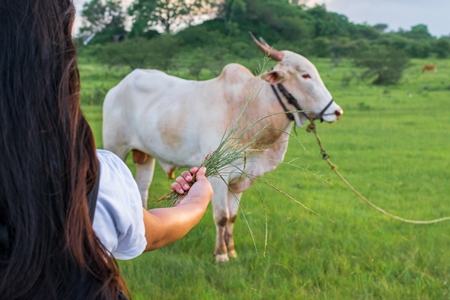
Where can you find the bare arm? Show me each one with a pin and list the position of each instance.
(166, 225)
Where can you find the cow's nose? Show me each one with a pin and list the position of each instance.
(338, 113)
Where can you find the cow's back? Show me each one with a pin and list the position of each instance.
(135, 90)
(177, 121)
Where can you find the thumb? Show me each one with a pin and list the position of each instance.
(200, 175)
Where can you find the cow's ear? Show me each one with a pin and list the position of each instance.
(273, 77)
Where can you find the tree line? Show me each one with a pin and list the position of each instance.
(166, 34)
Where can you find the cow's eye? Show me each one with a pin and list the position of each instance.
(306, 76)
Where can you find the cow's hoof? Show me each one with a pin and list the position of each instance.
(222, 258)
(232, 254)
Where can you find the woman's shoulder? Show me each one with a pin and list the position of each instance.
(116, 179)
(109, 158)
(112, 167)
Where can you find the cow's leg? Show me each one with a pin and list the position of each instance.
(233, 207)
(221, 216)
(145, 166)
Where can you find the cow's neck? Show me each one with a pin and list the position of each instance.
(264, 109)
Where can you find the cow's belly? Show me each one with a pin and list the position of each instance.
(185, 155)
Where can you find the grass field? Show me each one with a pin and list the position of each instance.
(392, 144)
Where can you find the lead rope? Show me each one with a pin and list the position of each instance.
(312, 127)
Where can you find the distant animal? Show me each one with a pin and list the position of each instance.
(429, 68)
(178, 122)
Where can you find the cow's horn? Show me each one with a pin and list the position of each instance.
(263, 41)
(266, 49)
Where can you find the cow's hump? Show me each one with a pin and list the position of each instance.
(235, 74)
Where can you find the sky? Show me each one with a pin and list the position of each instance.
(395, 13)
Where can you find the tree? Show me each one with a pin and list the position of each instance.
(385, 65)
(419, 31)
(226, 9)
(364, 31)
(393, 40)
(139, 52)
(380, 27)
(167, 14)
(102, 16)
(133, 53)
(321, 47)
(294, 28)
(419, 48)
(274, 19)
(341, 47)
(442, 47)
(329, 24)
(197, 64)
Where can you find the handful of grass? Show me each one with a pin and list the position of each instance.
(230, 150)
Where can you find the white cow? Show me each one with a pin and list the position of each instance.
(178, 122)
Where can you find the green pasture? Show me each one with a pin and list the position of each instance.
(392, 144)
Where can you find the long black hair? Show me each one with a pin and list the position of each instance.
(48, 249)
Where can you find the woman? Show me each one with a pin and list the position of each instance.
(48, 164)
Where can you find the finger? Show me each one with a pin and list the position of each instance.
(183, 182)
(187, 176)
(194, 170)
(176, 187)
